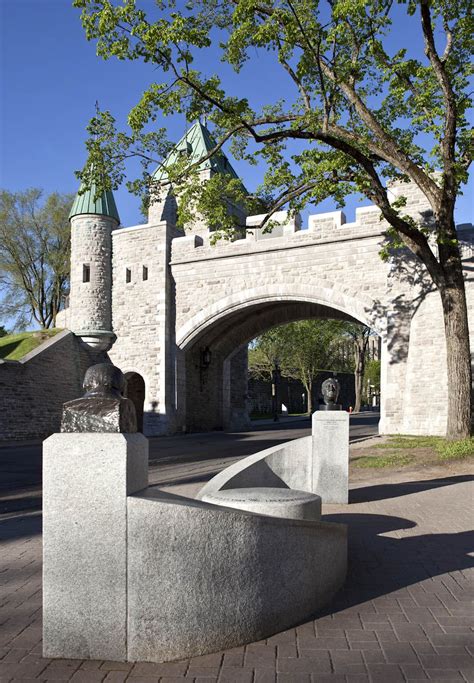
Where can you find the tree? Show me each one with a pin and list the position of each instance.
(359, 336)
(366, 110)
(302, 350)
(3, 331)
(34, 255)
(372, 375)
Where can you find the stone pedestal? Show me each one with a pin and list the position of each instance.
(331, 456)
(86, 480)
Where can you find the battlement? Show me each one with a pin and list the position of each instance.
(288, 231)
(322, 228)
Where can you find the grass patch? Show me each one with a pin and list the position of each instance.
(397, 460)
(424, 450)
(15, 346)
(455, 450)
(409, 442)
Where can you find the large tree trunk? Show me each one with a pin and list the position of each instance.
(456, 327)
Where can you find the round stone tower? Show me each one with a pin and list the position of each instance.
(90, 300)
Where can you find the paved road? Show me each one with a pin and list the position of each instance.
(170, 457)
(404, 614)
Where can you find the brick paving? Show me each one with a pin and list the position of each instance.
(404, 614)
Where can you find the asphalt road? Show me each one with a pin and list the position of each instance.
(187, 458)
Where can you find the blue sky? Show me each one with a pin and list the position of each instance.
(50, 80)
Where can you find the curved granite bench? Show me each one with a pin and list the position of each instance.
(170, 577)
(276, 502)
(203, 577)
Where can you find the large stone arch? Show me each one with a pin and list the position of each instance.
(227, 325)
(360, 307)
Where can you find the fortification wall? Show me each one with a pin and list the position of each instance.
(33, 390)
(349, 260)
(336, 263)
(142, 315)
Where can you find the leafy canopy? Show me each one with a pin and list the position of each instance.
(301, 349)
(366, 108)
(34, 255)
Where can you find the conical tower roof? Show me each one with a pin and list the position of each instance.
(197, 142)
(103, 205)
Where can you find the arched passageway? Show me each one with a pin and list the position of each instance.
(135, 391)
(212, 363)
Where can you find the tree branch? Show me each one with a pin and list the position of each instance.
(448, 143)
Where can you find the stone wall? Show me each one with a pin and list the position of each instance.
(199, 295)
(33, 390)
(334, 265)
(142, 316)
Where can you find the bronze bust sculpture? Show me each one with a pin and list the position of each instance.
(330, 389)
(103, 408)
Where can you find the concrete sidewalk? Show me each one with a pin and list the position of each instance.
(404, 614)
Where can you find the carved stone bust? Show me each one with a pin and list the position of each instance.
(103, 408)
(330, 389)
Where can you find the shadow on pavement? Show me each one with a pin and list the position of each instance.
(405, 488)
(380, 565)
(19, 526)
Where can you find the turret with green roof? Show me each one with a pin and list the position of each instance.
(196, 143)
(87, 203)
(92, 221)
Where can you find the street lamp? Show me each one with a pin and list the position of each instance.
(205, 361)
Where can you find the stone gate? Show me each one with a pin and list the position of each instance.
(183, 310)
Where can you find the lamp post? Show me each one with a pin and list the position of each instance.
(276, 375)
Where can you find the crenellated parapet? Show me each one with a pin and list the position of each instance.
(322, 228)
(287, 232)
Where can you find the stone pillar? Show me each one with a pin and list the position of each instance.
(235, 391)
(86, 480)
(330, 445)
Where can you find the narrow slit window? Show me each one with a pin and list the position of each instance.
(128, 275)
(86, 273)
(145, 273)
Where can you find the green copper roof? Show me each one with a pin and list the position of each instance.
(104, 205)
(197, 142)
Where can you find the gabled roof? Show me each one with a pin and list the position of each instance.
(197, 142)
(104, 205)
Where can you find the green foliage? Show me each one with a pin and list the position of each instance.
(302, 349)
(410, 442)
(456, 450)
(360, 107)
(386, 461)
(446, 450)
(371, 377)
(15, 346)
(372, 373)
(34, 255)
(3, 331)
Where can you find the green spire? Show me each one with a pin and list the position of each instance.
(197, 142)
(104, 205)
